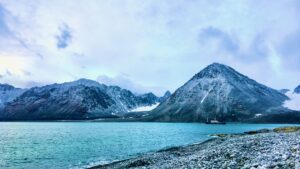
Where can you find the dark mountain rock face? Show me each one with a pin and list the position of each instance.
(281, 116)
(123, 97)
(81, 99)
(148, 98)
(297, 90)
(218, 91)
(6, 87)
(165, 96)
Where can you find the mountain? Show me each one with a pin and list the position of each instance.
(218, 91)
(297, 90)
(8, 93)
(148, 98)
(81, 99)
(165, 96)
(284, 91)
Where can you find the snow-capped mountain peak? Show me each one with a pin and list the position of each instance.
(84, 82)
(219, 90)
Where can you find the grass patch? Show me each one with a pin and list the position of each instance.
(287, 129)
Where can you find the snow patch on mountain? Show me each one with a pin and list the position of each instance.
(294, 102)
(206, 94)
(145, 108)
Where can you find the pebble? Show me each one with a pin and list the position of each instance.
(258, 151)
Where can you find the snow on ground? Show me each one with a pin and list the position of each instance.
(294, 102)
(145, 108)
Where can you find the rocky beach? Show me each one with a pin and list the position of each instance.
(277, 148)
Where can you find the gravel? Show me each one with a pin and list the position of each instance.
(269, 150)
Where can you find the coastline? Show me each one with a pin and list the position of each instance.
(277, 148)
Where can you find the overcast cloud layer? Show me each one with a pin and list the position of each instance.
(152, 44)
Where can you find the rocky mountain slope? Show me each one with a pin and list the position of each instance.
(218, 91)
(148, 98)
(165, 96)
(9, 93)
(81, 99)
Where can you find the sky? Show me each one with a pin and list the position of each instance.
(149, 45)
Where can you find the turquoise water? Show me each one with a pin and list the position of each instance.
(79, 144)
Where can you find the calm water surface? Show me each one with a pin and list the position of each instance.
(79, 144)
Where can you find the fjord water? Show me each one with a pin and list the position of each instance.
(79, 144)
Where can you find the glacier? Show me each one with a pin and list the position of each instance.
(294, 102)
(145, 108)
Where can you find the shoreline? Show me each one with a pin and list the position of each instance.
(140, 121)
(266, 148)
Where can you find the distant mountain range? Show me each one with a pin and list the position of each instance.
(220, 92)
(81, 99)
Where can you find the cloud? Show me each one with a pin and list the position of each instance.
(290, 49)
(64, 38)
(223, 39)
(30, 84)
(8, 73)
(3, 27)
(155, 43)
(11, 41)
(26, 73)
(294, 102)
(124, 82)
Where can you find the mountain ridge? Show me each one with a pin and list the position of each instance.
(218, 91)
(79, 99)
